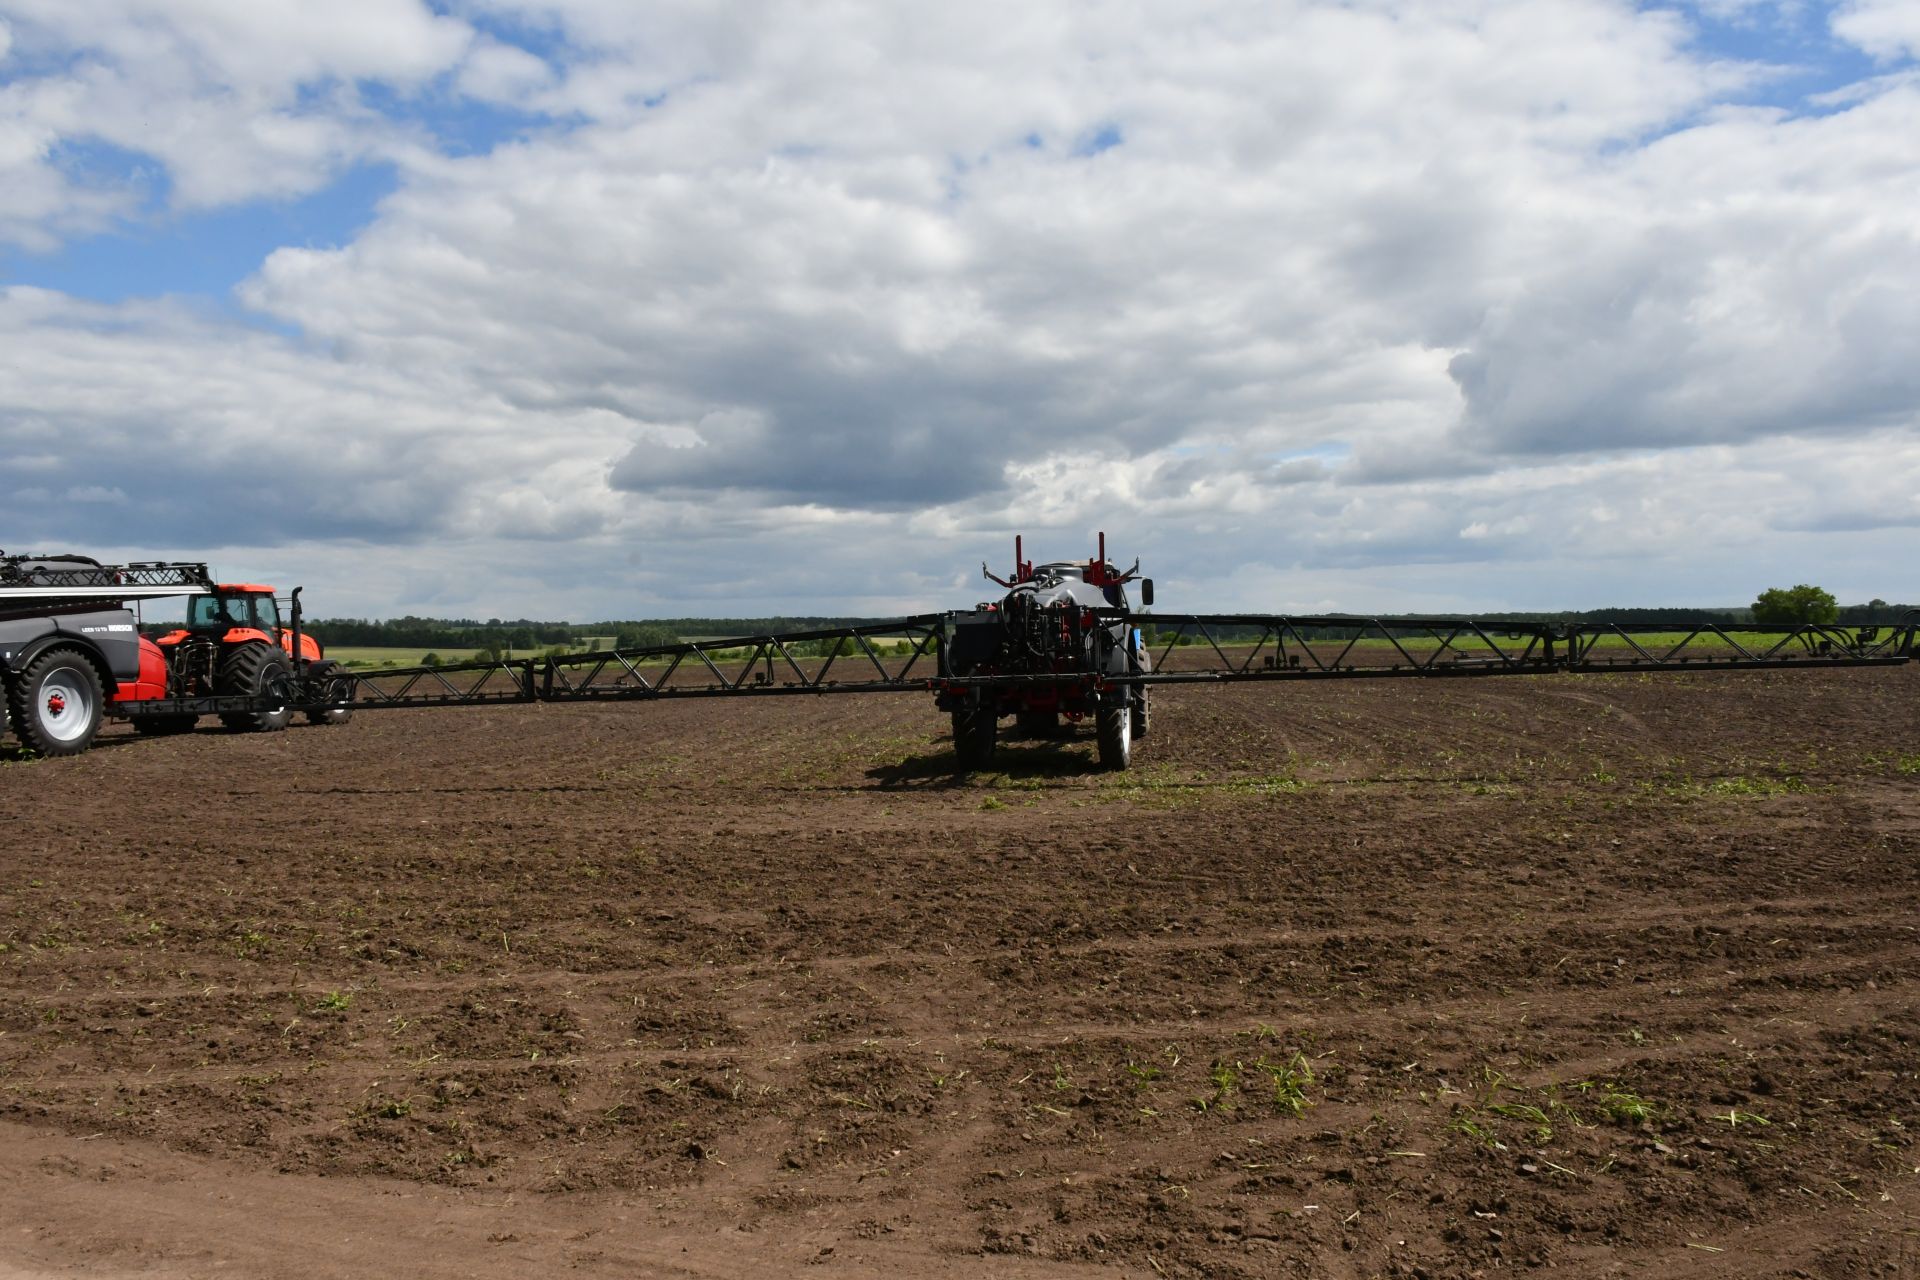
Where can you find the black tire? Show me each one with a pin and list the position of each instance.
(1116, 735)
(974, 731)
(325, 675)
(161, 726)
(1142, 699)
(56, 702)
(253, 670)
(1038, 724)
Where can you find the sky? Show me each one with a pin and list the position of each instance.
(610, 309)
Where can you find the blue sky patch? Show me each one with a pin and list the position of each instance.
(461, 126)
(202, 253)
(1329, 451)
(1797, 42)
(543, 39)
(1105, 138)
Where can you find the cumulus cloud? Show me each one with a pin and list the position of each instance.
(1716, 296)
(1888, 29)
(503, 73)
(1369, 288)
(231, 99)
(204, 432)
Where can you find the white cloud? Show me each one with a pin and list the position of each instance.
(234, 99)
(1731, 280)
(1405, 293)
(503, 73)
(210, 432)
(1885, 28)
(257, 45)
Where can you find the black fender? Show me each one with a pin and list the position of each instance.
(24, 656)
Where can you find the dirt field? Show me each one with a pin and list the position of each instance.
(1618, 975)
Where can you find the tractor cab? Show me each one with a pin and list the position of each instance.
(235, 607)
(235, 613)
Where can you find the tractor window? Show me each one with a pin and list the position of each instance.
(219, 611)
(235, 611)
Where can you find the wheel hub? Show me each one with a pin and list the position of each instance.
(66, 707)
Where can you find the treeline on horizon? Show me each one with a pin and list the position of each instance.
(1850, 614)
(524, 633)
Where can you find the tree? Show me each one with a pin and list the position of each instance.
(1803, 603)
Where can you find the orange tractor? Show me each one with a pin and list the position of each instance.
(234, 646)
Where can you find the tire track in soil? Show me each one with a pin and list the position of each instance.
(1769, 914)
(1709, 1001)
(1405, 1025)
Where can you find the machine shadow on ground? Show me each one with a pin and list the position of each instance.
(937, 770)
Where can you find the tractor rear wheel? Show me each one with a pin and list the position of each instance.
(1116, 735)
(256, 670)
(160, 726)
(56, 702)
(974, 731)
(332, 715)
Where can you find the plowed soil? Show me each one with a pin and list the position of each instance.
(1618, 975)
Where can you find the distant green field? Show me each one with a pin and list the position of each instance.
(372, 656)
(1754, 640)
(375, 656)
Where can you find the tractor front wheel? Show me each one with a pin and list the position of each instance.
(1115, 722)
(328, 675)
(57, 701)
(974, 731)
(257, 670)
(1142, 706)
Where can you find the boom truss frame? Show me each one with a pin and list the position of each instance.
(57, 580)
(1174, 649)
